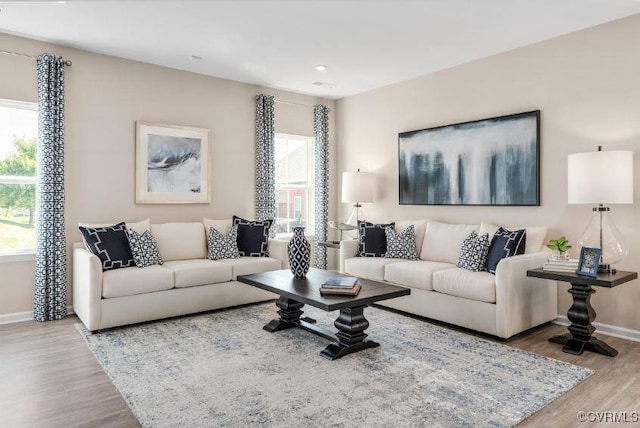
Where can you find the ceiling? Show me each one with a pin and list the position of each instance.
(365, 44)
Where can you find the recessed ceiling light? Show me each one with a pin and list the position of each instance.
(196, 58)
(321, 67)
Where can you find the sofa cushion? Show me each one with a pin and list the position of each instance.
(110, 244)
(223, 246)
(368, 267)
(180, 241)
(144, 248)
(372, 241)
(191, 273)
(460, 282)
(473, 253)
(505, 243)
(442, 241)
(253, 236)
(133, 280)
(401, 245)
(249, 265)
(222, 226)
(535, 235)
(414, 274)
(419, 226)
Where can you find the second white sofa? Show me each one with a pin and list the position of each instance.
(501, 305)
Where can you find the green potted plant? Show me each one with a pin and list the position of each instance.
(560, 248)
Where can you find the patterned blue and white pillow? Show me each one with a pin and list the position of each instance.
(372, 239)
(401, 245)
(473, 252)
(110, 244)
(223, 246)
(144, 248)
(253, 236)
(505, 243)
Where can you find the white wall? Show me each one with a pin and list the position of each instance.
(104, 97)
(587, 86)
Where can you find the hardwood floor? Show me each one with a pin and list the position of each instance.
(50, 379)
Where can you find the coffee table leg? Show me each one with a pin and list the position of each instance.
(351, 325)
(581, 314)
(289, 315)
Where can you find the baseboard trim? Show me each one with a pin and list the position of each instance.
(24, 316)
(606, 329)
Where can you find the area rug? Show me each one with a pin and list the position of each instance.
(220, 369)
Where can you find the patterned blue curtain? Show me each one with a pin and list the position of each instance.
(321, 134)
(50, 294)
(265, 161)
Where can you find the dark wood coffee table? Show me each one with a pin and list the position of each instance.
(296, 292)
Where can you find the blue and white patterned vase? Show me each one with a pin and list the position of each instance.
(299, 251)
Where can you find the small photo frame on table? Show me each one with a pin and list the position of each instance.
(589, 261)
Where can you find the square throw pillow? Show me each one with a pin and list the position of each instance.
(401, 245)
(110, 244)
(144, 249)
(473, 252)
(253, 236)
(223, 246)
(372, 239)
(505, 243)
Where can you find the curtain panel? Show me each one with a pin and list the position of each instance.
(265, 206)
(50, 293)
(321, 135)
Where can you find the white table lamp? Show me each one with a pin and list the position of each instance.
(602, 178)
(357, 187)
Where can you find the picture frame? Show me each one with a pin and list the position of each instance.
(493, 162)
(589, 261)
(172, 164)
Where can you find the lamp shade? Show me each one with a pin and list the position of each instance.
(603, 177)
(358, 186)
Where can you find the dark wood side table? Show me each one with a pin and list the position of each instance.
(581, 314)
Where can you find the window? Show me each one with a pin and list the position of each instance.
(294, 183)
(18, 145)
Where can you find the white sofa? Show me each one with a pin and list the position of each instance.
(186, 283)
(501, 305)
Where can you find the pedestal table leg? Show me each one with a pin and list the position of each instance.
(581, 314)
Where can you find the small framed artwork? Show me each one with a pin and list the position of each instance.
(172, 164)
(589, 261)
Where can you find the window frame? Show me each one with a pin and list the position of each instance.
(311, 203)
(18, 254)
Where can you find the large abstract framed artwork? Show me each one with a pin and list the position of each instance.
(172, 164)
(485, 162)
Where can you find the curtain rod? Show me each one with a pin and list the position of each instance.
(67, 62)
(293, 103)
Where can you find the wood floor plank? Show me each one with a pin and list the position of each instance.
(49, 378)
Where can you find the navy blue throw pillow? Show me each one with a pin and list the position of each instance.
(372, 239)
(110, 244)
(505, 243)
(253, 236)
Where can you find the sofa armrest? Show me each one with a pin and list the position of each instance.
(278, 250)
(521, 301)
(348, 249)
(87, 287)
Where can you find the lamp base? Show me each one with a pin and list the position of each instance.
(355, 215)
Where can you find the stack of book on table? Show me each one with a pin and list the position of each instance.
(561, 265)
(345, 285)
